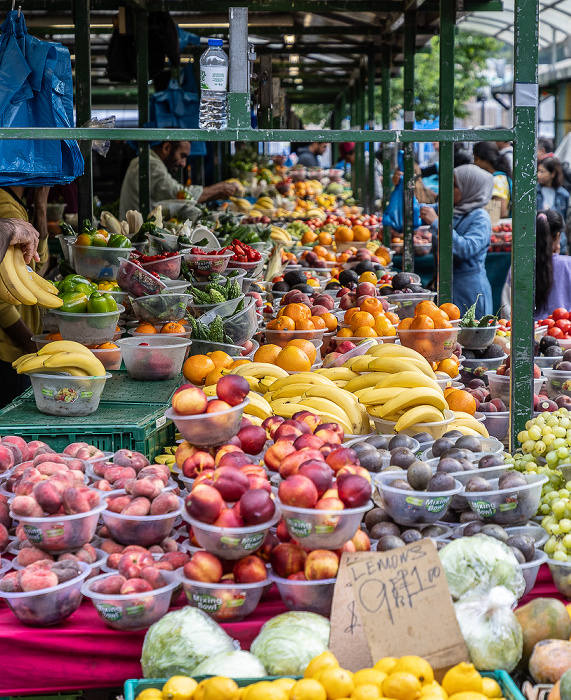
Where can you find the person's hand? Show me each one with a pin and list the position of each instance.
(397, 176)
(428, 215)
(227, 189)
(23, 234)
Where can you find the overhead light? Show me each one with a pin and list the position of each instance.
(294, 58)
(289, 39)
(299, 87)
(199, 25)
(294, 70)
(298, 81)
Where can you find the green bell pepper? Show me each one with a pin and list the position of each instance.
(73, 283)
(117, 240)
(74, 302)
(101, 303)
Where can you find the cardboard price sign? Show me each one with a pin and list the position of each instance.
(394, 603)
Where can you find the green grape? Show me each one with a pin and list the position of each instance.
(523, 436)
(549, 546)
(551, 458)
(559, 556)
(564, 422)
(563, 493)
(534, 433)
(559, 432)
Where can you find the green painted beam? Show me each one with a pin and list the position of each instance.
(371, 73)
(386, 120)
(408, 108)
(142, 25)
(83, 104)
(255, 5)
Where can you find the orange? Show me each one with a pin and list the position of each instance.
(308, 237)
(452, 310)
(173, 327)
(304, 325)
(318, 322)
(393, 318)
(330, 321)
(283, 323)
(460, 400)
(345, 333)
(405, 324)
(426, 308)
(343, 234)
(293, 359)
(320, 250)
(237, 363)
(361, 318)
(220, 358)
(312, 282)
(197, 367)
(382, 251)
(373, 306)
(297, 311)
(107, 346)
(349, 315)
(368, 277)
(424, 347)
(449, 390)
(442, 323)
(422, 322)
(449, 367)
(145, 328)
(361, 233)
(330, 257)
(267, 353)
(365, 332)
(54, 336)
(307, 346)
(213, 376)
(383, 326)
(325, 238)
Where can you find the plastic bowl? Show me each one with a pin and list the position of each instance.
(230, 542)
(110, 358)
(236, 274)
(481, 365)
(436, 429)
(477, 338)
(144, 530)
(208, 429)
(98, 263)
(406, 303)
(168, 267)
(49, 606)
(138, 282)
(513, 506)
(224, 308)
(498, 424)
(134, 611)
(379, 340)
(145, 336)
(557, 382)
(413, 507)
(281, 338)
(223, 602)
(530, 529)
(489, 446)
(202, 347)
(544, 362)
(309, 596)
(434, 345)
(176, 286)
(241, 326)
(161, 308)
(58, 534)
(157, 359)
(88, 329)
(253, 269)
(561, 574)
(322, 529)
(63, 395)
(500, 386)
(204, 265)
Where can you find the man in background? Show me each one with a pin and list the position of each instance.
(309, 155)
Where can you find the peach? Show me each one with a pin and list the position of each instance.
(329, 503)
(110, 585)
(30, 555)
(256, 507)
(116, 504)
(20, 443)
(354, 491)
(216, 405)
(361, 541)
(321, 564)
(230, 482)
(143, 488)
(252, 438)
(342, 457)
(327, 449)
(234, 459)
(324, 300)
(74, 501)
(15, 450)
(155, 471)
(229, 518)
(299, 491)
(282, 533)
(51, 468)
(204, 567)
(11, 583)
(204, 503)
(175, 559)
(138, 506)
(309, 418)
(164, 503)
(33, 446)
(300, 576)
(225, 449)
(114, 559)
(349, 546)
(276, 453)
(73, 448)
(128, 458)
(189, 401)
(259, 482)
(66, 570)
(87, 554)
(335, 427)
(111, 547)
(48, 457)
(319, 472)
(37, 580)
(169, 545)
(253, 470)
(250, 569)
(24, 488)
(183, 451)
(291, 464)
(206, 477)
(352, 470)
(131, 563)
(152, 575)
(271, 424)
(75, 464)
(291, 426)
(312, 441)
(196, 463)
(287, 559)
(265, 550)
(135, 585)
(232, 389)
(26, 506)
(4, 537)
(47, 496)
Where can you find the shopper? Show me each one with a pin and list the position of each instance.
(551, 194)
(309, 155)
(22, 233)
(552, 271)
(545, 148)
(472, 229)
(487, 156)
(505, 148)
(347, 156)
(166, 159)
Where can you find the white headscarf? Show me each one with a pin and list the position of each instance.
(476, 186)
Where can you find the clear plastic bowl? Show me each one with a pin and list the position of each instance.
(281, 338)
(134, 334)
(134, 611)
(434, 345)
(138, 282)
(544, 362)
(230, 542)
(309, 596)
(208, 429)
(489, 446)
(118, 296)
(49, 606)
(436, 429)
(161, 308)
(530, 529)
(225, 308)
(109, 358)
(176, 286)
(513, 506)
(144, 530)
(484, 364)
(253, 269)
(477, 338)
(413, 507)
(168, 267)
(202, 347)
(322, 529)
(497, 424)
(236, 274)
(98, 263)
(379, 340)
(500, 386)
(88, 329)
(240, 326)
(58, 534)
(561, 574)
(204, 265)
(406, 303)
(41, 339)
(158, 359)
(487, 473)
(444, 382)
(168, 242)
(557, 382)
(223, 602)
(63, 395)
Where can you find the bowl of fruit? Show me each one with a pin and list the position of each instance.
(161, 308)
(434, 344)
(100, 262)
(154, 358)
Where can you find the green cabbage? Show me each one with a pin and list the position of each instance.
(180, 641)
(317, 623)
(474, 565)
(233, 664)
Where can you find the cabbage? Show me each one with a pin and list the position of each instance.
(491, 630)
(474, 565)
(233, 664)
(180, 641)
(317, 623)
(286, 650)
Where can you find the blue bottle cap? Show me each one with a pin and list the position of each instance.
(215, 42)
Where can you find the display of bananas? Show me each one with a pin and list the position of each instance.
(281, 235)
(239, 204)
(61, 357)
(21, 285)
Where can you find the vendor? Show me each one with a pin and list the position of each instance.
(166, 158)
(309, 155)
(472, 230)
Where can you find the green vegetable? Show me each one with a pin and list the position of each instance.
(202, 331)
(233, 664)
(66, 229)
(233, 289)
(185, 271)
(217, 330)
(216, 297)
(74, 302)
(469, 318)
(318, 624)
(101, 303)
(71, 283)
(199, 296)
(117, 240)
(485, 321)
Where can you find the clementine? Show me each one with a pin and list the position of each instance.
(343, 234)
(197, 367)
(146, 328)
(325, 238)
(460, 400)
(306, 345)
(422, 322)
(173, 327)
(361, 318)
(297, 311)
(330, 321)
(345, 333)
(451, 310)
(361, 233)
(267, 353)
(304, 325)
(220, 358)
(293, 359)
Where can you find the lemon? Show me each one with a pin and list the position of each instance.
(417, 666)
(264, 690)
(402, 686)
(337, 682)
(433, 689)
(199, 692)
(491, 688)
(366, 691)
(324, 660)
(368, 676)
(462, 677)
(468, 695)
(286, 684)
(220, 688)
(150, 694)
(179, 688)
(308, 689)
(386, 665)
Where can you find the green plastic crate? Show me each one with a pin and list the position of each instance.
(112, 427)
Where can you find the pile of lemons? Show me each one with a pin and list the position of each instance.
(407, 678)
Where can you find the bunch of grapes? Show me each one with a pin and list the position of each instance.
(548, 436)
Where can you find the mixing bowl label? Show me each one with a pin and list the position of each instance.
(206, 602)
(253, 541)
(109, 612)
(432, 505)
(299, 528)
(34, 534)
(55, 531)
(135, 609)
(484, 508)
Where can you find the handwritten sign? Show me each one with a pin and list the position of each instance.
(400, 603)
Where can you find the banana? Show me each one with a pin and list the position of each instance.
(414, 397)
(394, 365)
(64, 346)
(45, 298)
(359, 364)
(22, 359)
(418, 414)
(365, 381)
(376, 410)
(287, 410)
(356, 413)
(423, 366)
(12, 280)
(292, 390)
(258, 406)
(329, 418)
(407, 379)
(32, 364)
(76, 372)
(265, 383)
(319, 404)
(466, 431)
(253, 382)
(277, 403)
(64, 360)
(259, 369)
(6, 295)
(372, 397)
(255, 420)
(340, 383)
(471, 423)
(394, 350)
(210, 390)
(300, 378)
(335, 373)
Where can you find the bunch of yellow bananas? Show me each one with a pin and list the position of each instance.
(21, 285)
(59, 357)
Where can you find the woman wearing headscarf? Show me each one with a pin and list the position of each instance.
(472, 229)
(347, 156)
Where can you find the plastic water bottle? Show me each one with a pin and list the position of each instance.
(213, 86)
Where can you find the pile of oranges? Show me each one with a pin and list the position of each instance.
(449, 366)
(323, 238)
(322, 254)
(430, 321)
(428, 316)
(297, 355)
(368, 321)
(297, 317)
(149, 329)
(360, 234)
(207, 369)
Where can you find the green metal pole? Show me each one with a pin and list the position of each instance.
(446, 157)
(81, 11)
(408, 104)
(360, 147)
(143, 103)
(354, 120)
(524, 203)
(386, 120)
(338, 108)
(371, 121)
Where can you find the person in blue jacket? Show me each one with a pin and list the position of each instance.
(551, 194)
(473, 189)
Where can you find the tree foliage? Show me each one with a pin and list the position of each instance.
(312, 114)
